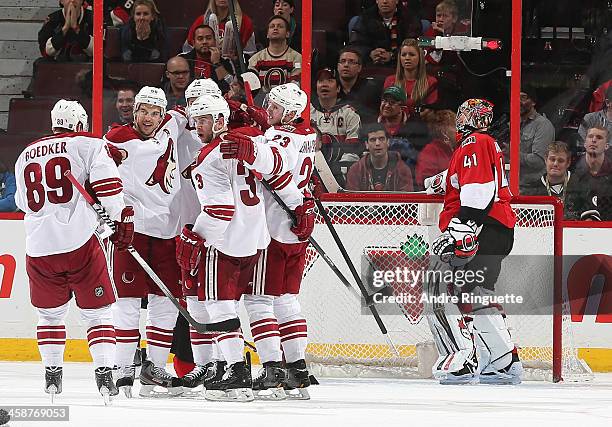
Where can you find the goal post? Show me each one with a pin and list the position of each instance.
(391, 230)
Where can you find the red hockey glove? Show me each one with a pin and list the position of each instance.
(115, 154)
(238, 146)
(124, 229)
(188, 248)
(317, 187)
(304, 218)
(259, 116)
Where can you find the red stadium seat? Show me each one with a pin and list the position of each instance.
(34, 115)
(112, 44)
(58, 78)
(175, 38)
(144, 74)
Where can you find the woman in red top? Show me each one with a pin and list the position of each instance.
(436, 155)
(220, 8)
(421, 89)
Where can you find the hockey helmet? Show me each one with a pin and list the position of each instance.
(151, 96)
(215, 105)
(201, 87)
(290, 97)
(68, 114)
(474, 114)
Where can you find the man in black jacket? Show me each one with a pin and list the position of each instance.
(381, 29)
(67, 34)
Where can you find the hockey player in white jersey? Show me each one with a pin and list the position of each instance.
(222, 246)
(274, 311)
(64, 255)
(152, 184)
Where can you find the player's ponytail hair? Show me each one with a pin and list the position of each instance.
(421, 86)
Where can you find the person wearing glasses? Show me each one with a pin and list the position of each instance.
(355, 90)
(179, 77)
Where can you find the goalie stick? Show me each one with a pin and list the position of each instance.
(225, 326)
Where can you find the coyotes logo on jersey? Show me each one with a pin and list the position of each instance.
(163, 174)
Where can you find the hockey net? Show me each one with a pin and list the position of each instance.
(382, 232)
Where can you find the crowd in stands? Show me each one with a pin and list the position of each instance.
(385, 107)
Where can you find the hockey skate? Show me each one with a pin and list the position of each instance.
(105, 384)
(465, 370)
(234, 386)
(196, 381)
(53, 381)
(124, 379)
(269, 382)
(298, 380)
(152, 378)
(510, 375)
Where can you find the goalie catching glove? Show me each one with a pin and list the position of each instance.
(436, 184)
(458, 244)
(189, 248)
(124, 229)
(304, 218)
(238, 146)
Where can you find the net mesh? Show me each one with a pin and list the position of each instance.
(344, 339)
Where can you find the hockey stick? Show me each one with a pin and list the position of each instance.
(225, 326)
(351, 267)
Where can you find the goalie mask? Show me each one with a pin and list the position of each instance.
(291, 98)
(201, 87)
(213, 105)
(473, 115)
(69, 115)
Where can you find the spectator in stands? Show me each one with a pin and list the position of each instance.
(599, 96)
(555, 180)
(124, 104)
(217, 15)
(601, 118)
(363, 94)
(7, 189)
(67, 34)
(407, 137)
(592, 176)
(205, 60)
(285, 8)
(436, 155)
(339, 124)
(116, 12)
(380, 169)
(143, 37)
(179, 77)
(278, 63)
(536, 133)
(447, 21)
(381, 28)
(410, 74)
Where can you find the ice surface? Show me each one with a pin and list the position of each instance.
(336, 402)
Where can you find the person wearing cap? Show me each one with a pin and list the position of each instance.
(406, 136)
(286, 8)
(380, 169)
(602, 118)
(339, 124)
(537, 132)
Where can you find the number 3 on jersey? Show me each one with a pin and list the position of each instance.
(248, 197)
(61, 188)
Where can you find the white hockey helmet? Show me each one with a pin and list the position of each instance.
(290, 97)
(68, 114)
(215, 105)
(151, 96)
(201, 87)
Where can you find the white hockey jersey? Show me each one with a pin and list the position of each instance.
(298, 142)
(232, 218)
(150, 177)
(57, 217)
(188, 147)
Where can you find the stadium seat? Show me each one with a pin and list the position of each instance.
(175, 37)
(146, 74)
(11, 146)
(34, 115)
(112, 44)
(58, 78)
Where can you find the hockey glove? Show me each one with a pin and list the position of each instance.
(189, 248)
(304, 218)
(436, 184)
(124, 229)
(458, 244)
(259, 116)
(317, 187)
(238, 146)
